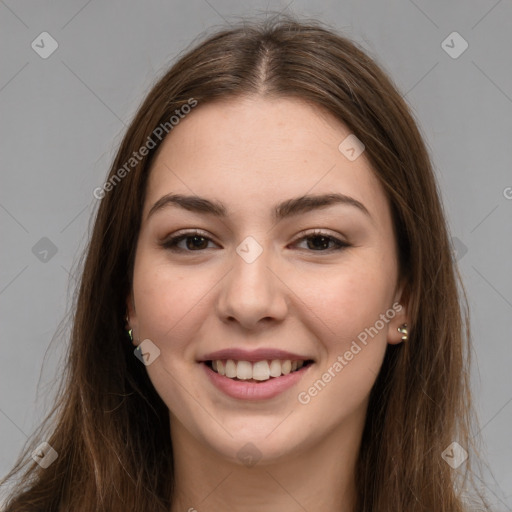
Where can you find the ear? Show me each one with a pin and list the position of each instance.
(401, 317)
(131, 317)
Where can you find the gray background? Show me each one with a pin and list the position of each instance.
(63, 117)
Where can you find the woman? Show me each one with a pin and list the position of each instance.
(268, 316)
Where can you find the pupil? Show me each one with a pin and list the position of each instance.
(197, 242)
(323, 245)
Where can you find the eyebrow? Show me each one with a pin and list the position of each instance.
(288, 208)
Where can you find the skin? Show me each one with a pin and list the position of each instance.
(251, 154)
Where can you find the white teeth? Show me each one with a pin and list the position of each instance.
(286, 367)
(275, 368)
(260, 370)
(230, 369)
(244, 370)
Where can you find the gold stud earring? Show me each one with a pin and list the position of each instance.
(129, 331)
(403, 330)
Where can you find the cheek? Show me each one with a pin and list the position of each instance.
(169, 301)
(351, 298)
(350, 304)
(170, 306)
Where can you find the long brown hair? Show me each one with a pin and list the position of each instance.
(109, 426)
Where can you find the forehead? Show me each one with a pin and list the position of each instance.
(254, 152)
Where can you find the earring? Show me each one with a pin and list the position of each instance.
(403, 330)
(129, 331)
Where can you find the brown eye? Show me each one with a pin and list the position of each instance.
(196, 242)
(193, 242)
(318, 242)
(323, 242)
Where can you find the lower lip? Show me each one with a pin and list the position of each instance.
(244, 390)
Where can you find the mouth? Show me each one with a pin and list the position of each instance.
(256, 371)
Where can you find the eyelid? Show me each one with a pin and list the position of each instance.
(319, 232)
(339, 241)
(174, 238)
(189, 232)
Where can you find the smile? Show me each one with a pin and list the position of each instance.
(258, 371)
(256, 380)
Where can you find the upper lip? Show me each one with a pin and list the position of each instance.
(260, 354)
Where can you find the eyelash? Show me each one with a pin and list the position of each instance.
(172, 242)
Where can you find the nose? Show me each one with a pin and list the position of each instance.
(252, 294)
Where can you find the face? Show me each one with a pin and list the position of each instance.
(260, 283)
